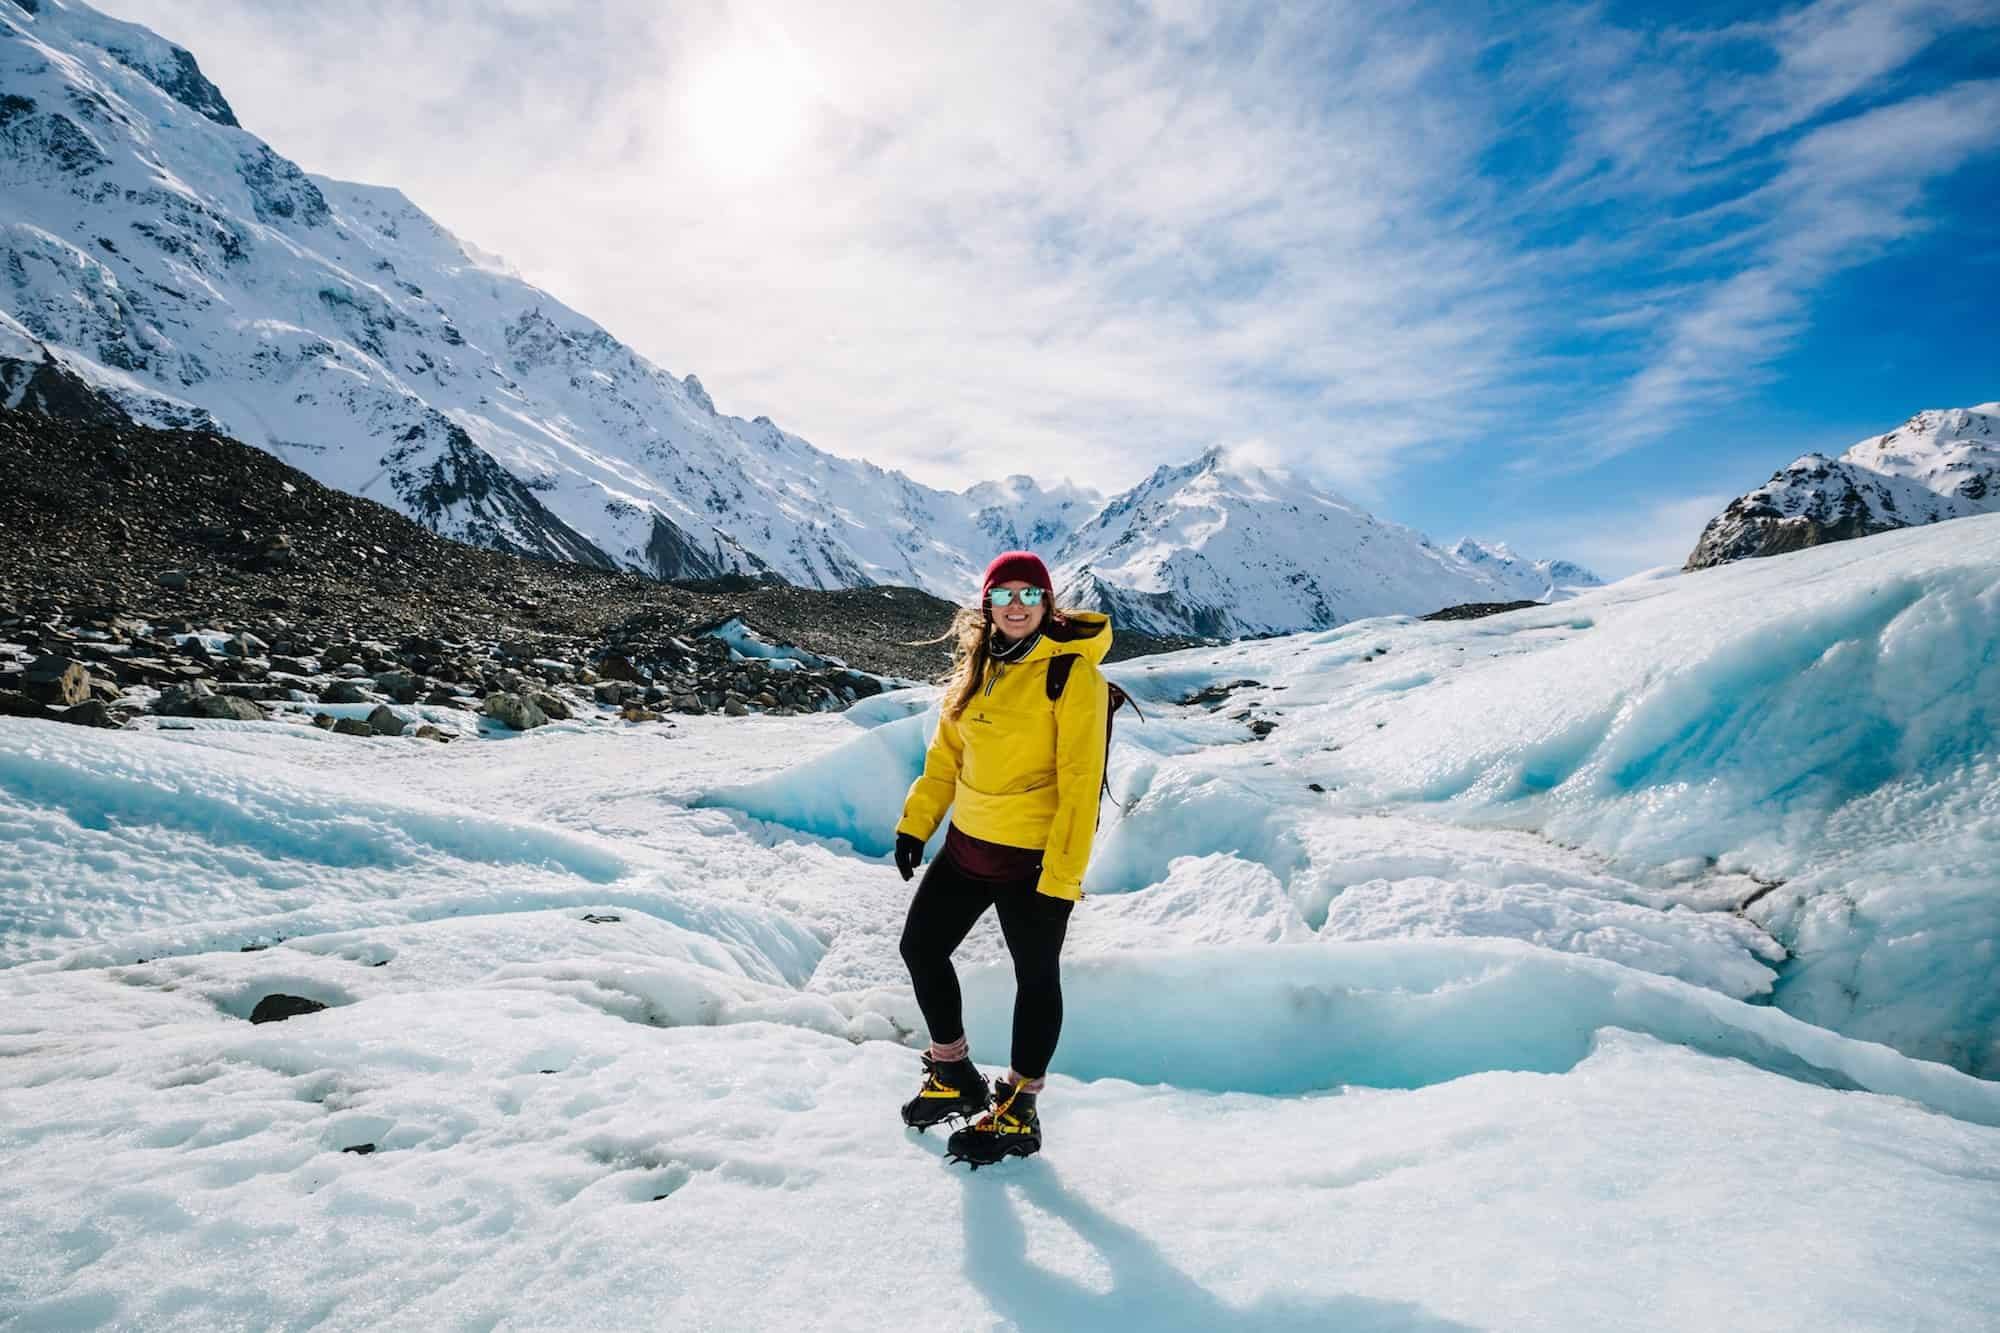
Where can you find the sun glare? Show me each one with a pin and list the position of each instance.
(746, 108)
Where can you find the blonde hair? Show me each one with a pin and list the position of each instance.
(969, 633)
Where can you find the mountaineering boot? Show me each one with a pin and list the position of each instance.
(1011, 1129)
(952, 1089)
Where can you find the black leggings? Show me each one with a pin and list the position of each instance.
(947, 904)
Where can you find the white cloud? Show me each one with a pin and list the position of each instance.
(1086, 239)
(1848, 190)
(1615, 542)
(1077, 239)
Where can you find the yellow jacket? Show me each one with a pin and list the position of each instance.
(1019, 769)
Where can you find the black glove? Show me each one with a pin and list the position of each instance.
(909, 854)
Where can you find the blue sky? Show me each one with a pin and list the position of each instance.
(1564, 275)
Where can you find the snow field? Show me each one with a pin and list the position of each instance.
(539, 1163)
(1592, 1050)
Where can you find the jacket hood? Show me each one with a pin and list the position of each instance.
(1087, 634)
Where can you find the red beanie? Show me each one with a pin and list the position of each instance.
(1023, 565)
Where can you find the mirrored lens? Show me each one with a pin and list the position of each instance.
(1031, 597)
(1000, 596)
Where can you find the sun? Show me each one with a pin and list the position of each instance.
(746, 108)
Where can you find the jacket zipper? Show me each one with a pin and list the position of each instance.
(994, 679)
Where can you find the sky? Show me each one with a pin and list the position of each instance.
(1565, 275)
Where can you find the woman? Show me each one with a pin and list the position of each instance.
(1020, 771)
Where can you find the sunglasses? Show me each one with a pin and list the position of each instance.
(1002, 596)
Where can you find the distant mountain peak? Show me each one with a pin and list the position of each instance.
(1941, 464)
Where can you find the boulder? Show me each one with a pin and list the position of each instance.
(427, 732)
(196, 699)
(398, 685)
(384, 721)
(551, 704)
(91, 713)
(611, 692)
(179, 700)
(617, 666)
(229, 708)
(352, 726)
(345, 692)
(515, 711)
(278, 1008)
(13, 704)
(56, 680)
(324, 721)
(172, 578)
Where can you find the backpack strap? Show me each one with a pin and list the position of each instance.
(1059, 669)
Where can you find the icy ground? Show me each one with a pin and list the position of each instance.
(1614, 978)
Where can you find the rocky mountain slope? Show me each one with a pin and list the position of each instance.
(168, 258)
(187, 574)
(1938, 465)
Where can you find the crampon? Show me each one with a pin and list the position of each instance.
(953, 1091)
(1012, 1128)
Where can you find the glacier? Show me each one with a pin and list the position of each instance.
(1517, 971)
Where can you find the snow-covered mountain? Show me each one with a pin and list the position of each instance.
(164, 256)
(1935, 466)
(1228, 548)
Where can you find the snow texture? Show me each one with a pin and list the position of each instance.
(1617, 936)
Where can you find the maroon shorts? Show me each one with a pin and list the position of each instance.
(979, 859)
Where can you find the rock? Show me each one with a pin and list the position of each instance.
(515, 711)
(227, 707)
(291, 666)
(610, 692)
(13, 704)
(180, 700)
(617, 666)
(634, 713)
(244, 645)
(262, 693)
(734, 707)
(687, 703)
(172, 578)
(385, 722)
(324, 721)
(352, 726)
(1262, 727)
(427, 732)
(56, 680)
(398, 685)
(91, 713)
(345, 692)
(551, 704)
(276, 1008)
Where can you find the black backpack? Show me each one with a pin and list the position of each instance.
(1059, 669)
